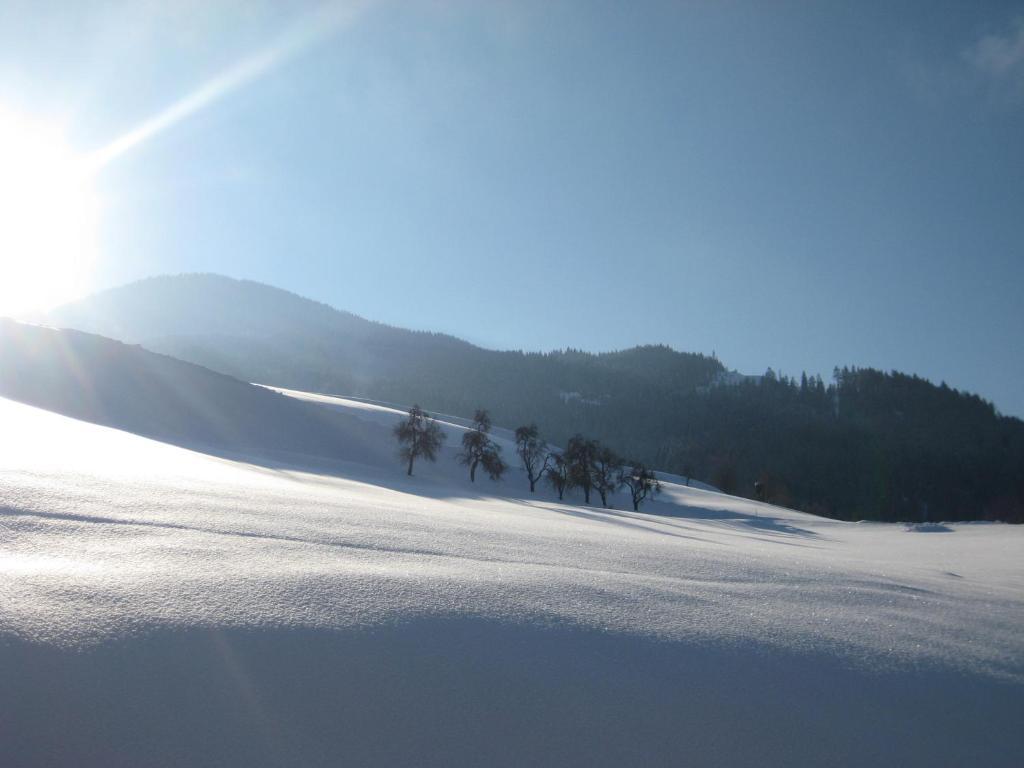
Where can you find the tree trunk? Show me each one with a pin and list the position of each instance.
(411, 457)
(472, 472)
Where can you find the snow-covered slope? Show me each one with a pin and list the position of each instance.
(106, 382)
(160, 606)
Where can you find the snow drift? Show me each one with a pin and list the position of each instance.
(209, 602)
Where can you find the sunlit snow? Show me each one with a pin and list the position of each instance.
(107, 537)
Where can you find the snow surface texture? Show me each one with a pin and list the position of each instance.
(164, 606)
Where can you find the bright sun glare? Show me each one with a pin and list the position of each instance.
(47, 219)
(48, 210)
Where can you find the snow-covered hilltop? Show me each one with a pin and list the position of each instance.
(931, 453)
(182, 603)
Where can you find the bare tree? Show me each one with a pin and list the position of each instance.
(606, 469)
(580, 455)
(479, 450)
(418, 435)
(533, 453)
(641, 482)
(557, 473)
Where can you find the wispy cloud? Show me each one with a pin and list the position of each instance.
(1000, 56)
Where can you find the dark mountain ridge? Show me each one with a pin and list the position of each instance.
(868, 445)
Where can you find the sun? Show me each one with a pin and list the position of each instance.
(48, 215)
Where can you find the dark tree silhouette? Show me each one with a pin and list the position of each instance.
(580, 455)
(479, 450)
(418, 435)
(641, 482)
(557, 473)
(533, 454)
(723, 476)
(606, 470)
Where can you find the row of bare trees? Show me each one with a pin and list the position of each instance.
(419, 436)
(584, 465)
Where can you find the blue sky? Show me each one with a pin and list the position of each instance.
(796, 185)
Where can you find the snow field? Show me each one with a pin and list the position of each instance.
(461, 624)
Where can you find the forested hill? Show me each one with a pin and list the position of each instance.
(868, 445)
(872, 445)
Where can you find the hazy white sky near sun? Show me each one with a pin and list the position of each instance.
(795, 185)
